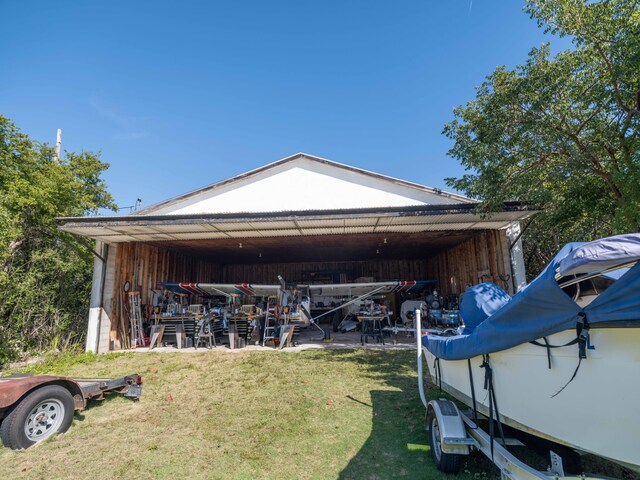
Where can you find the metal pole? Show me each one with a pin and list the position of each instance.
(418, 318)
(56, 158)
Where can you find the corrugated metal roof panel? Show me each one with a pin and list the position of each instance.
(358, 222)
(224, 227)
(513, 215)
(439, 227)
(272, 225)
(93, 231)
(406, 228)
(338, 222)
(501, 218)
(243, 234)
(323, 231)
(330, 222)
(155, 236)
(116, 238)
(491, 225)
(369, 229)
(384, 221)
(133, 229)
(200, 235)
(407, 220)
(278, 233)
(179, 228)
(455, 218)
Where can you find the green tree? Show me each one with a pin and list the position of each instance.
(561, 132)
(45, 274)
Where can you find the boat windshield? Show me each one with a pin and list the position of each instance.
(583, 291)
(588, 269)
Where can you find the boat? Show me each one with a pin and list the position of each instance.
(560, 359)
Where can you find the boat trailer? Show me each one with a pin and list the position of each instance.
(453, 435)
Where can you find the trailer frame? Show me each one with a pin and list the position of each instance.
(34, 407)
(458, 435)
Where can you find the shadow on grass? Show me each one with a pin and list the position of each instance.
(394, 448)
(397, 446)
(95, 404)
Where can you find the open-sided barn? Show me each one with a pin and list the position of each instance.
(304, 218)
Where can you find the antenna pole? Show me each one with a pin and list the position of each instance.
(56, 158)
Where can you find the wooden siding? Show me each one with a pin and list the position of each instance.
(144, 266)
(482, 258)
(380, 270)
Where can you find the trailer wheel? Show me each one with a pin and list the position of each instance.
(445, 462)
(44, 412)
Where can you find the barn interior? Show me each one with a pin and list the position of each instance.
(337, 225)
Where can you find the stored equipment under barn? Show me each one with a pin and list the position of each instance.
(306, 219)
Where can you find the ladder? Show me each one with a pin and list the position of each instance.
(135, 320)
(270, 321)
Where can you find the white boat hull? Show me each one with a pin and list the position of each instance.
(598, 412)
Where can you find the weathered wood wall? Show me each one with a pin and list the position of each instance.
(483, 258)
(480, 259)
(144, 266)
(380, 270)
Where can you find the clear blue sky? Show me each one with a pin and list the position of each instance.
(178, 95)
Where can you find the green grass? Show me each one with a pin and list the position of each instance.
(330, 414)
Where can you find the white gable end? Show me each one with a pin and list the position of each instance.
(299, 185)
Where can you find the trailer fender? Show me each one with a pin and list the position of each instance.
(14, 388)
(453, 433)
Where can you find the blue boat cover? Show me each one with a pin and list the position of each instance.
(542, 308)
(480, 302)
(601, 254)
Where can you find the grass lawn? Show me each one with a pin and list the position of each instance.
(328, 414)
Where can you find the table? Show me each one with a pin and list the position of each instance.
(173, 325)
(238, 328)
(371, 327)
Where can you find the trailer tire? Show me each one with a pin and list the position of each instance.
(445, 462)
(44, 412)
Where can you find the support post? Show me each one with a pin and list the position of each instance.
(516, 254)
(418, 317)
(97, 293)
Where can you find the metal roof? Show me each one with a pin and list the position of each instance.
(413, 219)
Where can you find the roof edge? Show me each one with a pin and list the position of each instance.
(414, 210)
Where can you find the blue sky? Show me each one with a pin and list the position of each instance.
(178, 95)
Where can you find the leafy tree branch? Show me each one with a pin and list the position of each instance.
(561, 131)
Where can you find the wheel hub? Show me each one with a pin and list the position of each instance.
(44, 420)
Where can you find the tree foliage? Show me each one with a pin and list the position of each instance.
(561, 132)
(45, 274)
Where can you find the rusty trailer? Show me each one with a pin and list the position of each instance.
(33, 408)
